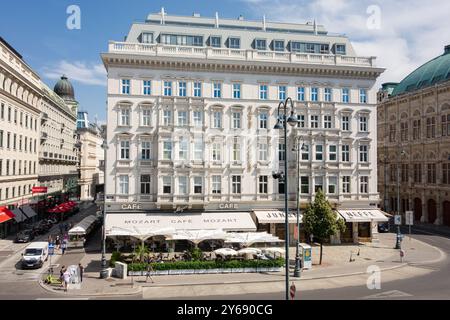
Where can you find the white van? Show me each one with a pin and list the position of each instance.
(35, 255)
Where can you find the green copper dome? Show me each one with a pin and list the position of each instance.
(432, 72)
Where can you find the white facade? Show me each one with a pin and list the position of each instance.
(20, 100)
(91, 162)
(58, 156)
(207, 114)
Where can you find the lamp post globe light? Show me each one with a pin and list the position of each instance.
(104, 271)
(282, 121)
(298, 261)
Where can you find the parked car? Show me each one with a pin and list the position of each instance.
(25, 236)
(35, 255)
(383, 227)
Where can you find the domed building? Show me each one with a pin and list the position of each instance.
(64, 89)
(414, 142)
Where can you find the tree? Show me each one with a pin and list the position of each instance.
(321, 221)
(141, 251)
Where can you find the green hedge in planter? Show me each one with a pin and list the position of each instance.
(189, 265)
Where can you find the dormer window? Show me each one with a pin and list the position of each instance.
(261, 44)
(234, 43)
(215, 42)
(340, 49)
(146, 37)
(278, 45)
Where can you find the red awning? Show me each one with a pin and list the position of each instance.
(5, 214)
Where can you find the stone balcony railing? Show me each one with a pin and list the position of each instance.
(238, 54)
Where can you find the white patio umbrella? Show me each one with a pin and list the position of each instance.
(197, 236)
(226, 252)
(249, 238)
(274, 251)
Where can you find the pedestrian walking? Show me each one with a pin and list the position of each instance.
(149, 269)
(63, 247)
(66, 278)
(61, 275)
(57, 242)
(81, 268)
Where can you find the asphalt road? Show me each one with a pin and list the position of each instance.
(434, 285)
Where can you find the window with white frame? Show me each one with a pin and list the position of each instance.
(314, 122)
(364, 184)
(278, 45)
(236, 90)
(318, 183)
(217, 119)
(125, 116)
(304, 185)
(146, 117)
(319, 152)
(215, 42)
(363, 153)
(198, 149)
(183, 146)
(197, 89)
(198, 118)
(125, 150)
(346, 184)
(236, 184)
(305, 152)
(236, 149)
(182, 118)
(363, 123)
(126, 86)
(345, 153)
(282, 92)
(234, 43)
(332, 185)
(261, 44)
(198, 185)
(124, 184)
(263, 151)
(263, 92)
(182, 185)
(216, 151)
(362, 96)
(167, 117)
(332, 154)
(182, 89)
(217, 89)
(167, 150)
(314, 94)
(146, 37)
(217, 184)
(301, 121)
(145, 184)
(167, 185)
(327, 124)
(345, 123)
(328, 94)
(263, 116)
(145, 150)
(301, 93)
(167, 88)
(345, 95)
(281, 151)
(263, 184)
(236, 120)
(147, 87)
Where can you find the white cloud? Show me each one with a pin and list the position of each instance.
(82, 72)
(412, 31)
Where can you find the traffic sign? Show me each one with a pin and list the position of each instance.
(292, 291)
(398, 219)
(409, 218)
(51, 249)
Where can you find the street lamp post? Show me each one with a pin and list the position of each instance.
(104, 271)
(298, 262)
(282, 124)
(398, 240)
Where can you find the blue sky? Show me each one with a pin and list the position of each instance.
(410, 32)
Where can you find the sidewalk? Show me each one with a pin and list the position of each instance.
(336, 263)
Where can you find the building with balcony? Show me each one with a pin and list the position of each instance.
(92, 164)
(414, 117)
(58, 155)
(192, 104)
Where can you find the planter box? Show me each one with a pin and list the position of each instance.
(162, 272)
(212, 271)
(249, 270)
(203, 271)
(225, 270)
(175, 272)
(239, 270)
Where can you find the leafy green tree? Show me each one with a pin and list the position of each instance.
(141, 251)
(321, 221)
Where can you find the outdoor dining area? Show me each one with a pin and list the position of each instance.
(68, 207)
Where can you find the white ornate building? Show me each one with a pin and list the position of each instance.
(192, 104)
